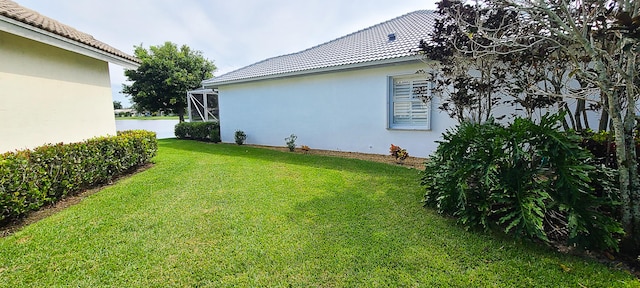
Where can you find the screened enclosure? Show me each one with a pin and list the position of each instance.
(202, 105)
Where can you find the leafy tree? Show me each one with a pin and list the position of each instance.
(595, 42)
(165, 75)
(117, 105)
(475, 76)
(469, 80)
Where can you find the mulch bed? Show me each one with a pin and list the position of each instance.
(410, 162)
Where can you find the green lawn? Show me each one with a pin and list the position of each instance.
(226, 215)
(149, 118)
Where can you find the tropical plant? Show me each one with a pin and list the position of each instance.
(529, 179)
(594, 43)
(398, 153)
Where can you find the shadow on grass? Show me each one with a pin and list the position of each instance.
(372, 225)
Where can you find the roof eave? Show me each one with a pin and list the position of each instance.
(33, 33)
(212, 83)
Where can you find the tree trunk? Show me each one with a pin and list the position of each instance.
(563, 106)
(181, 114)
(603, 125)
(623, 163)
(633, 233)
(580, 107)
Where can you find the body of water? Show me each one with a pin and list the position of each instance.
(163, 128)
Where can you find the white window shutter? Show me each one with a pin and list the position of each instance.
(411, 103)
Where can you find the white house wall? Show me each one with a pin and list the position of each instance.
(49, 95)
(343, 111)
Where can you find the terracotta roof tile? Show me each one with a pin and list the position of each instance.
(16, 12)
(368, 45)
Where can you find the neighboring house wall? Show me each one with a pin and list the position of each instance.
(55, 95)
(343, 111)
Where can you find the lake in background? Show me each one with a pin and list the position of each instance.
(163, 128)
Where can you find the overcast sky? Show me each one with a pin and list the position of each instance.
(231, 33)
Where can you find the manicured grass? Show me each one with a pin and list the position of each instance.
(226, 215)
(148, 118)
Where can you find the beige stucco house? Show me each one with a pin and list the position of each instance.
(54, 81)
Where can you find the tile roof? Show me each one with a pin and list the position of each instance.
(366, 46)
(30, 17)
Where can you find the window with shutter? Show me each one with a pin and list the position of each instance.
(410, 102)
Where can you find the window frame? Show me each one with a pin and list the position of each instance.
(391, 102)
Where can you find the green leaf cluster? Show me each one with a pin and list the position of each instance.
(291, 142)
(240, 137)
(529, 179)
(202, 131)
(165, 75)
(30, 179)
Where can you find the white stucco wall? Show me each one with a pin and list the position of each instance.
(49, 95)
(343, 111)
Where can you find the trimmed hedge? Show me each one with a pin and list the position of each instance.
(30, 179)
(201, 131)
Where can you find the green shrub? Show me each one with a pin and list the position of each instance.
(529, 179)
(240, 137)
(215, 135)
(201, 131)
(32, 178)
(291, 142)
(182, 130)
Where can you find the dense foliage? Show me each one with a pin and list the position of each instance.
(529, 179)
(240, 137)
(536, 55)
(201, 131)
(164, 77)
(32, 178)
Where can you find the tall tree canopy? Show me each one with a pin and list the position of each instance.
(165, 75)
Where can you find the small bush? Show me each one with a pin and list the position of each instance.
(201, 131)
(240, 137)
(291, 142)
(32, 178)
(398, 152)
(529, 179)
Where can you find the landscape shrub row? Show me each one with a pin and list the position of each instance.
(529, 179)
(201, 131)
(30, 179)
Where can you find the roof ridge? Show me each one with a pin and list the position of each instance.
(331, 41)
